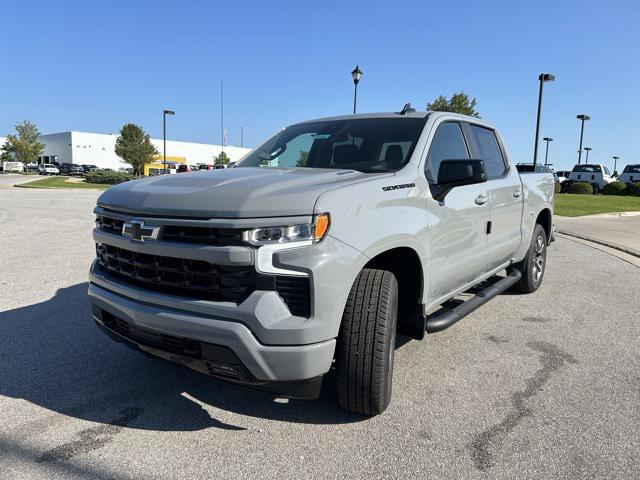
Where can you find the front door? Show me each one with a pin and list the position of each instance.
(458, 224)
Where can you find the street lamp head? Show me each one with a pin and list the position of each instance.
(356, 74)
(583, 117)
(588, 149)
(548, 139)
(616, 158)
(546, 77)
(168, 112)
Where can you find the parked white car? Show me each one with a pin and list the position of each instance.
(591, 173)
(48, 169)
(630, 174)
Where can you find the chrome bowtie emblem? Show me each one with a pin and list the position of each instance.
(138, 231)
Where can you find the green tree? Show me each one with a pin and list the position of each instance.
(134, 147)
(5, 153)
(303, 159)
(24, 145)
(221, 159)
(458, 103)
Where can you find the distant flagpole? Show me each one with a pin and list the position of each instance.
(222, 114)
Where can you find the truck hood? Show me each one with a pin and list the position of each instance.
(230, 193)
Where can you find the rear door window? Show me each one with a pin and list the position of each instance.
(488, 151)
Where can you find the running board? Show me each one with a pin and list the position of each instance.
(444, 317)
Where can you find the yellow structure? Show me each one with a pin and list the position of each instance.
(157, 164)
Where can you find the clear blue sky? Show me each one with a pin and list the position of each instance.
(92, 66)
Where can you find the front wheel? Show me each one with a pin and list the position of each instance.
(366, 343)
(533, 266)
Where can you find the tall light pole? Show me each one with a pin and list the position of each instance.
(615, 164)
(546, 153)
(582, 117)
(241, 136)
(164, 137)
(222, 115)
(587, 149)
(543, 77)
(356, 74)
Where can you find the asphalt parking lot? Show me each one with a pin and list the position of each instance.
(539, 386)
(7, 180)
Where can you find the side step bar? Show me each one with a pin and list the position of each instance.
(444, 317)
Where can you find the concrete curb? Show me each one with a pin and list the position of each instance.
(621, 248)
(611, 214)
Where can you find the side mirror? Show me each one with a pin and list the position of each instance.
(457, 173)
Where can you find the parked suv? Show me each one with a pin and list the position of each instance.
(271, 273)
(630, 174)
(89, 168)
(48, 169)
(596, 175)
(71, 169)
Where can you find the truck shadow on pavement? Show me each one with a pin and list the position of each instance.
(54, 356)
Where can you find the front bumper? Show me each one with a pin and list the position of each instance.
(214, 360)
(263, 363)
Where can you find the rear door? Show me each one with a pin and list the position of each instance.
(458, 235)
(505, 193)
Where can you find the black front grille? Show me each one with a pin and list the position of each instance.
(109, 224)
(219, 237)
(178, 276)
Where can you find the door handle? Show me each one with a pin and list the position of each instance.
(517, 193)
(481, 199)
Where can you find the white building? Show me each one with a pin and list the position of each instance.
(98, 149)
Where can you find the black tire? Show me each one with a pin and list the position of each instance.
(533, 266)
(366, 343)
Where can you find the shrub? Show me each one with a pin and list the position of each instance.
(634, 189)
(558, 188)
(615, 188)
(581, 187)
(108, 177)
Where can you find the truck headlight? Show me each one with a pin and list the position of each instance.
(294, 233)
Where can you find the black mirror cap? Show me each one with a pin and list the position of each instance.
(456, 173)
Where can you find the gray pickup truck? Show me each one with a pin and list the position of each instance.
(317, 247)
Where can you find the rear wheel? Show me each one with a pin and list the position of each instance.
(533, 266)
(366, 344)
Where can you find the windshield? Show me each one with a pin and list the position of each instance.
(48, 165)
(368, 145)
(632, 169)
(587, 168)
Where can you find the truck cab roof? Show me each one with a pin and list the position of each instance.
(411, 114)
